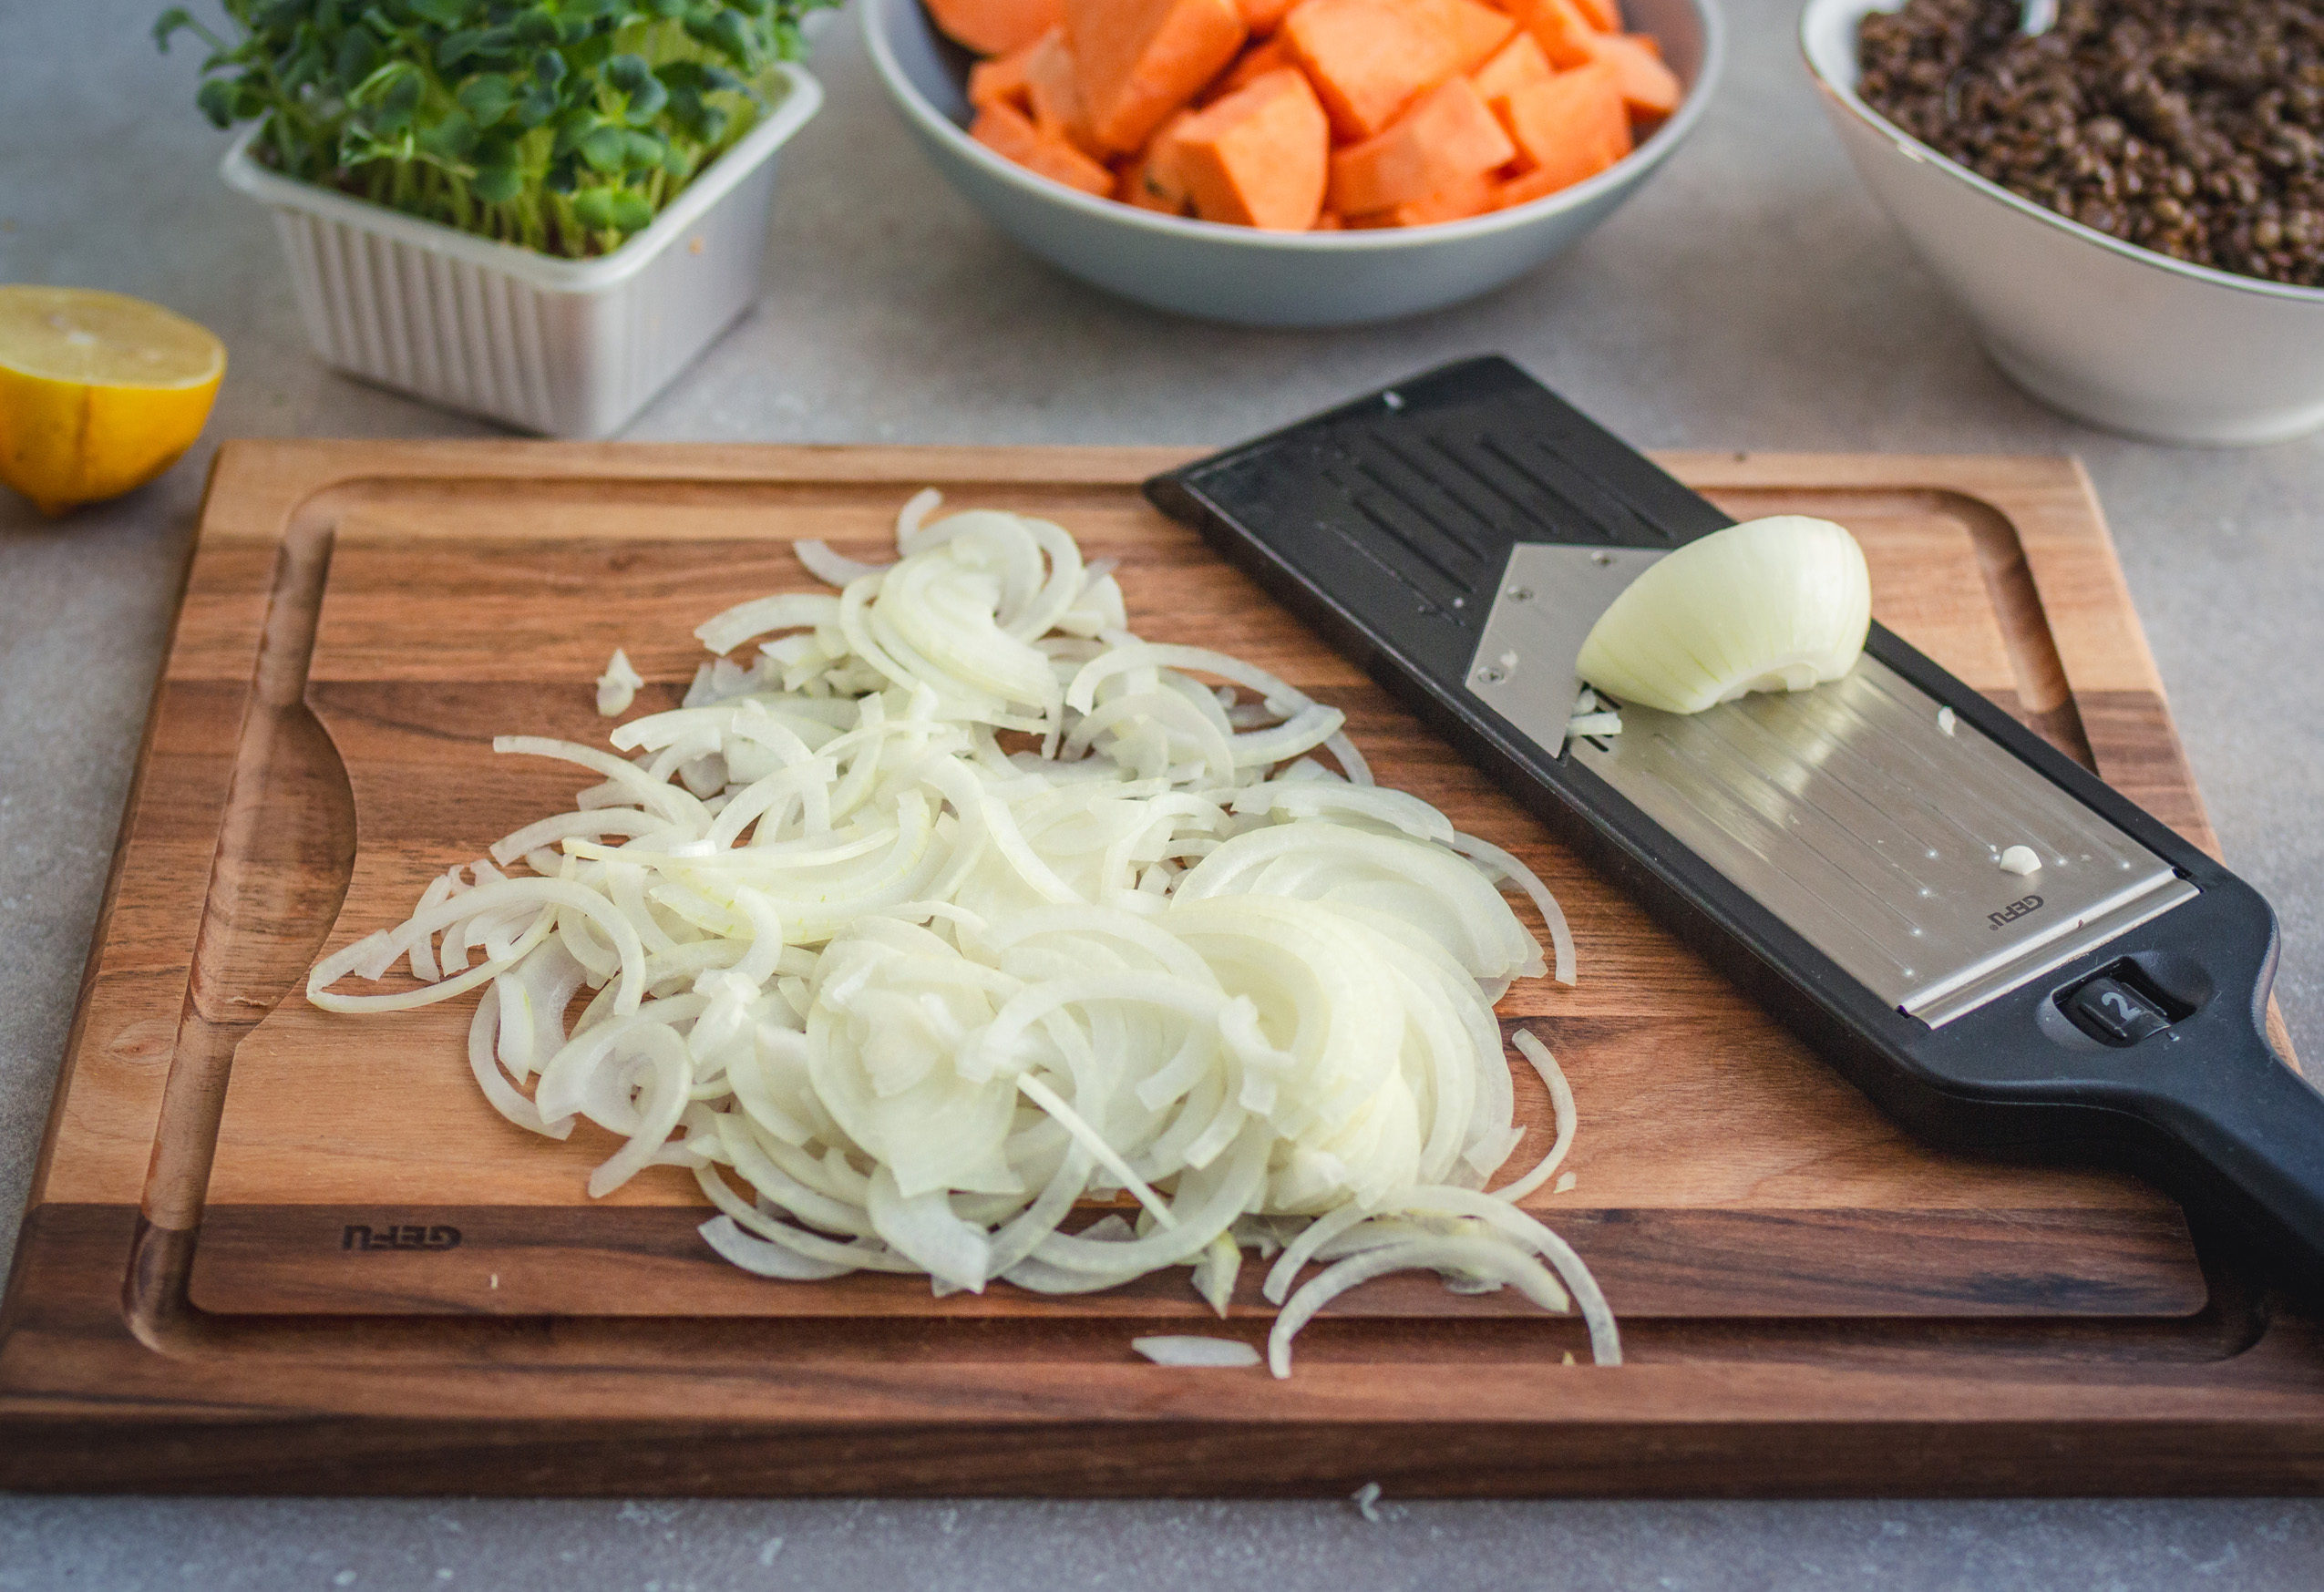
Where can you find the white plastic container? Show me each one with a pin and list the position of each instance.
(567, 347)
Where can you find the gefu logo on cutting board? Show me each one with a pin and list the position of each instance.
(2013, 911)
(360, 1237)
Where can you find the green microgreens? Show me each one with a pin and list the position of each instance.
(560, 125)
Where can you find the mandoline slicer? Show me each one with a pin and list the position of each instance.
(1835, 851)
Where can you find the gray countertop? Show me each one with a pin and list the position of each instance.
(1751, 297)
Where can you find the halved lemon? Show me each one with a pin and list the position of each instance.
(98, 392)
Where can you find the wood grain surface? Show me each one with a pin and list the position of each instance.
(252, 1217)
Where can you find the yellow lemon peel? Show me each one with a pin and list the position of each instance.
(100, 393)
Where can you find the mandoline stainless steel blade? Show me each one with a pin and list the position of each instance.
(1868, 818)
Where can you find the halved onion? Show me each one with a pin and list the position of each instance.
(1774, 604)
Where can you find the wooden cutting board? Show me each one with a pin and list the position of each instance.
(272, 1248)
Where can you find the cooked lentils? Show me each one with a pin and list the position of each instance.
(2192, 127)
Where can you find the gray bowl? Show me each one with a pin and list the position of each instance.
(1271, 279)
(2118, 335)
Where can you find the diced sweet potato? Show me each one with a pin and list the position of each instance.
(1001, 79)
(1052, 91)
(1328, 222)
(1525, 188)
(1648, 88)
(1560, 29)
(1060, 162)
(1007, 131)
(1368, 58)
(997, 27)
(1139, 60)
(1154, 180)
(1250, 66)
(1473, 31)
(1569, 127)
(1471, 196)
(1446, 137)
(1513, 66)
(1604, 16)
(1264, 17)
(1259, 157)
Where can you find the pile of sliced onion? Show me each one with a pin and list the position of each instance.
(950, 905)
(1774, 604)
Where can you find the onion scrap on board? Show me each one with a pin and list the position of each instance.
(899, 994)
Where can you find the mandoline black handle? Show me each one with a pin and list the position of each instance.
(2244, 1132)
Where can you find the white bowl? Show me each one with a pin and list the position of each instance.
(569, 347)
(2118, 335)
(1271, 279)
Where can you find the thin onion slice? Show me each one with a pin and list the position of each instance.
(1561, 1103)
(828, 565)
(1504, 866)
(1476, 1256)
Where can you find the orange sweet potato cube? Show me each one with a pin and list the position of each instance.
(997, 27)
(1250, 66)
(1259, 157)
(1154, 180)
(1447, 136)
(1560, 29)
(1052, 92)
(1525, 188)
(1060, 162)
(1604, 16)
(1473, 30)
(1007, 131)
(1513, 66)
(1471, 196)
(1368, 58)
(1138, 60)
(1648, 88)
(1566, 128)
(1001, 79)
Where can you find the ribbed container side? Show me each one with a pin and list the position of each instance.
(568, 348)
